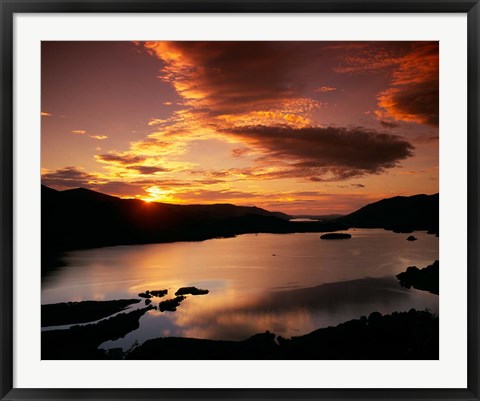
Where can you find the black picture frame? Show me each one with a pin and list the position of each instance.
(10, 7)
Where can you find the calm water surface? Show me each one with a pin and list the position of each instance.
(290, 284)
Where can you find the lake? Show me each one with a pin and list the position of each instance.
(289, 284)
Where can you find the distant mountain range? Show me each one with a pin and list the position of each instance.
(81, 218)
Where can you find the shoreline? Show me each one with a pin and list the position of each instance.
(399, 335)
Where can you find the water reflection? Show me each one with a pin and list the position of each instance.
(286, 313)
(308, 284)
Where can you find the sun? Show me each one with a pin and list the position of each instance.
(157, 194)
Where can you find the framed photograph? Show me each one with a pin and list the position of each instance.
(245, 200)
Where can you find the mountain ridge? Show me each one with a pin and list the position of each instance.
(82, 218)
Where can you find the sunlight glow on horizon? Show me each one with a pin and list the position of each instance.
(328, 129)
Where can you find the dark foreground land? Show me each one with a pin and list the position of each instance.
(406, 335)
(401, 335)
(426, 279)
(82, 312)
(81, 342)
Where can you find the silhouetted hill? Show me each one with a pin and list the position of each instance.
(83, 194)
(80, 218)
(400, 214)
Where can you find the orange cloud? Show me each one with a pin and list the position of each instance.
(230, 77)
(413, 66)
(79, 131)
(371, 57)
(99, 137)
(45, 114)
(325, 89)
(120, 158)
(414, 94)
(157, 121)
(263, 117)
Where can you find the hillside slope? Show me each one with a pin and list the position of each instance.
(81, 218)
(400, 214)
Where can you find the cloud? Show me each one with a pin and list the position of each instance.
(371, 57)
(67, 177)
(351, 186)
(240, 152)
(120, 158)
(324, 154)
(414, 90)
(119, 188)
(321, 202)
(46, 114)
(209, 181)
(79, 131)
(99, 137)
(426, 139)
(250, 93)
(414, 94)
(206, 195)
(388, 124)
(148, 169)
(325, 89)
(74, 177)
(157, 121)
(270, 117)
(234, 77)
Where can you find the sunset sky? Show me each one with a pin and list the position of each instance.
(298, 127)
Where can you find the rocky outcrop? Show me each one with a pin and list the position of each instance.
(171, 304)
(426, 279)
(191, 290)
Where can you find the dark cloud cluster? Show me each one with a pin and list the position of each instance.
(67, 177)
(148, 169)
(235, 77)
(326, 153)
(120, 159)
(388, 124)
